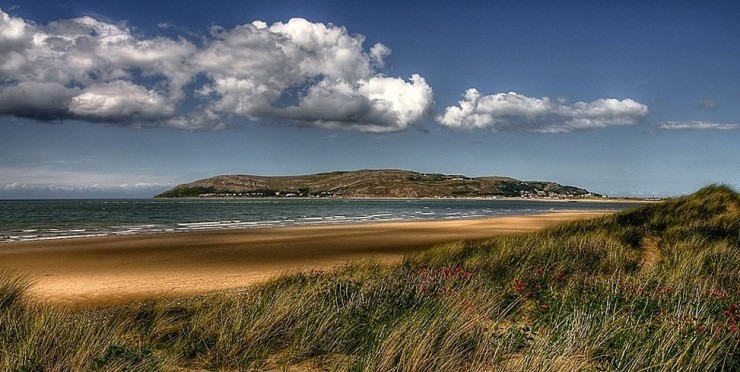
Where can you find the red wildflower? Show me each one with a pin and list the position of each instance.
(733, 305)
(447, 271)
(466, 275)
(701, 328)
(519, 286)
(458, 270)
(727, 313)
(732, 328)
(544, 307)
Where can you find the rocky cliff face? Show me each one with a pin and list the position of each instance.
(370, 184)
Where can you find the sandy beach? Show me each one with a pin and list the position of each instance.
(111, 270)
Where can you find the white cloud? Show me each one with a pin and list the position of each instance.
(11, 29)
(696, 125)
(707, 104)
(99, 71)
(378, 53)
(379, 104)
(45, 191)
(85, 69)
(253, 66)
(120, 101)
(514, 111)
(51, 179)
(318, 49)
(200, 120)
(36, 99)
(309, 73)
(15, 186)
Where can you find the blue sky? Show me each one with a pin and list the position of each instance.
(126, 99)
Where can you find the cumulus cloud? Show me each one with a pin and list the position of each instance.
(378, 53)
(378, 104)
(120, 100)
(514, 111)
(36, 99)
(99, 71)
(696, 125)
(88, 69)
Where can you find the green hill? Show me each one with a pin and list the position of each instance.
(369, 183)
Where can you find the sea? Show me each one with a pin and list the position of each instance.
(22, 220)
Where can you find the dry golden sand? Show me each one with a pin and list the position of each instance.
(111, 270)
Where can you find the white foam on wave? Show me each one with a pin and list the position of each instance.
(326, 213)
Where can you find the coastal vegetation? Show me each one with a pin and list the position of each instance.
(371, 184)
(651, 288)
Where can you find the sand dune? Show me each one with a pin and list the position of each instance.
(109, 270)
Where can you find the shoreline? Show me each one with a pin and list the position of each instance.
(503, 198)
(101, 271)
(159, 218)
(211, 226)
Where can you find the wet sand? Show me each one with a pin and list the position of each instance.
(112, 270)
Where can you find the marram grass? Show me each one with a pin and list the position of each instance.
(654, 288)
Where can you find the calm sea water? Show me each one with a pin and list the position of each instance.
(58, 219)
